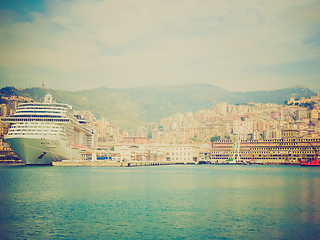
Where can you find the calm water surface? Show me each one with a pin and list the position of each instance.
(160, 202)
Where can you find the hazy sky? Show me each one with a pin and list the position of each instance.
(239, 45)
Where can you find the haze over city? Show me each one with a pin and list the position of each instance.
(237, 45)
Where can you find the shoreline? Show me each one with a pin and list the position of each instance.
(75, 163)
(79, 163)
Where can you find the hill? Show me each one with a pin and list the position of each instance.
(133, 107)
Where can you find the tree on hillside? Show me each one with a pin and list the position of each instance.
(8, 91)
(216, 138)
(213, 139)
(307, 105)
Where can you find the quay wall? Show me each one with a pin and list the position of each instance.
(99, 163)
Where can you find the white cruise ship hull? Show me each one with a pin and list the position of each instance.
(35, 151)
(41, 133)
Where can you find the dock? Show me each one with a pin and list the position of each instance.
(99, 163)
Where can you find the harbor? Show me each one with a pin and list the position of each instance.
(141, 120)
(45, 132)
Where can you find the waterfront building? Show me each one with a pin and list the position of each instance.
(290, 149)
(181, 153)
(132, 152)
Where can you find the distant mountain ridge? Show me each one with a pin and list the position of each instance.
(133, 107)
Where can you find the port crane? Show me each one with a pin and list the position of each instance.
(234, 155)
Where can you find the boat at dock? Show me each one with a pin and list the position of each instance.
(314, 162)
(41, 133)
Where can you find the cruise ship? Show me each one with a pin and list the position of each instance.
(41, 133)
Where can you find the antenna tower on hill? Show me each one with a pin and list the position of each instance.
(43, 85)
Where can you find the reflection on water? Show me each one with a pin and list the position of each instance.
(195, 202)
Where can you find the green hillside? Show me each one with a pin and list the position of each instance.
(133, 107)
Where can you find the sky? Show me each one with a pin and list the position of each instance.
(238, 45)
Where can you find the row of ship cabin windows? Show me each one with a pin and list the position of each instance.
(35, 130)
(36, 111)
(23, 126)
(35, 115)
(38, 120)
(31, 134)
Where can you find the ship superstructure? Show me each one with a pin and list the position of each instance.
(44, 132)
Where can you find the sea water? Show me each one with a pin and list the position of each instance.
(160, 202)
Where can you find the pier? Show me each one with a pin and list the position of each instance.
(79, 163)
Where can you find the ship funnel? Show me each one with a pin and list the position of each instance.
(48, 98)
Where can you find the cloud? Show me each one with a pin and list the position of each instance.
(131, 43)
